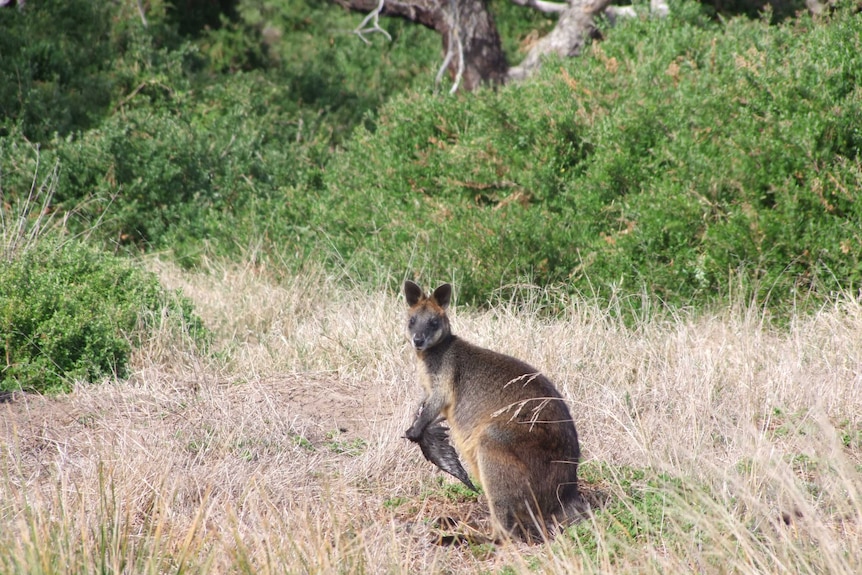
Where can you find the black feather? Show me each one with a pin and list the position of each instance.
(436, 448)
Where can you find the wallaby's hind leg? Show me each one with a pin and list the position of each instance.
(505, 479)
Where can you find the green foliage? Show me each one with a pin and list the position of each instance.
(447, 489)
(643, 507)
(309, 48)
(180, 166)
(680, 158)
(206, 142)
(69, 312)
(350, 447)
(457, 491)
(170, 176)
(303, 442)
(53, 69)
(66, 62)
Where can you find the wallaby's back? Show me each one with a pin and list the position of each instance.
(507, 420)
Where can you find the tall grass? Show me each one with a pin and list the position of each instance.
(712, 443)
(21, 225)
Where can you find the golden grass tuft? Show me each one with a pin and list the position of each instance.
(712, 443)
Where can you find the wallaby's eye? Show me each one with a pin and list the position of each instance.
(434, 323)
(412, 321)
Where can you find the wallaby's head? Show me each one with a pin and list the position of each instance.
(427, 324)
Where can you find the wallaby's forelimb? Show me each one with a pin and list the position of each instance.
(429, 412)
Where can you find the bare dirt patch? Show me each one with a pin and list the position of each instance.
(254, 420)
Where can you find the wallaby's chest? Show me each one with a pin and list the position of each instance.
(437, 377)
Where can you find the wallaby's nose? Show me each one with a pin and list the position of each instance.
(418, 341)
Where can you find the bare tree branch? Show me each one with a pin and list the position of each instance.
(659, 8)
(454, 48)
(459, 73)
(471, 42)
(542, 5)
(447, 60)
(374, 16)
(567, 39)
(472, 49)
(143, 14)
(429, 13)
(615, 13)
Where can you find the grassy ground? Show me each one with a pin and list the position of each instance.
(714, 444)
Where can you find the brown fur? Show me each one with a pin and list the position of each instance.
(508, 421)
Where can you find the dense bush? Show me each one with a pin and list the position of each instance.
(69, 312)
(203, 138)
(680, 157)
(53, 69)
(323, 67)
(66, 63)
(177, 171)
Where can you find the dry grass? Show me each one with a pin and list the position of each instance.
(715, 444)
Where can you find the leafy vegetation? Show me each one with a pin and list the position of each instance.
(54, 74)
(640, 510)
(682, 160)
(71, 312)
(202, 134)
(160, 142)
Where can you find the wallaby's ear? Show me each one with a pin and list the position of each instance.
(442, 295)
(412, 293)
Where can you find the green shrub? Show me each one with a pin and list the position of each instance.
(67, 63)
(205, 140)
(53, 73)
(175, 169)
(680, 158)
(69, 312)
(309, 49)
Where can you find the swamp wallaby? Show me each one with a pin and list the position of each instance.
(507, 420)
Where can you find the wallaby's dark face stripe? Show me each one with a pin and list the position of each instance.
(427, 324)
